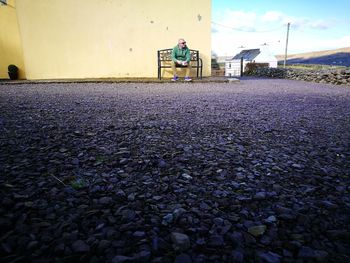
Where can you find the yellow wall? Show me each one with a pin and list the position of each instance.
(108, 38)
(10, 43)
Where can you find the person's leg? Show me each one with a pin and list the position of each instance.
(188, 70)
(173, 67)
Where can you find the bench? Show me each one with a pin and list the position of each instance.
(164, 59)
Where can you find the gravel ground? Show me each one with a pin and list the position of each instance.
(256, 171)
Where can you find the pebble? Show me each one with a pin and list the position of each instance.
(306, 253)
(105, 200)
(216, 241)
(186, 176)
(269, 257)
(257, 230)
(237, 256)
(260, 196)
(271, 219)
(121, 259)
(167, 219)
(183, 258)
(80, 246)
(139, 234)
(181, 241)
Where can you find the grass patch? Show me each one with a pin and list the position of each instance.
(78, 183)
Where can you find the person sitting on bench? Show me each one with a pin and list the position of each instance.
(181, 57)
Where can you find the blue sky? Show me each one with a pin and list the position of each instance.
(314, 25)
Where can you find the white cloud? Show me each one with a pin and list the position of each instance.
(239, 19)
(320, 24)
(337, 42)
(273, 16)
(251, 22)
(248, 29)
(302, 43)
(279, 18)
(227, 43)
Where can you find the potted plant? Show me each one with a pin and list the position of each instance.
(13, 71)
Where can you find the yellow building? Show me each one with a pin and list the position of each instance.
(101, 38)
(10, 41)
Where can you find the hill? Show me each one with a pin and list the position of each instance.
(338, 57)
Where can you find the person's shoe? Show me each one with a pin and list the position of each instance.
(175, 78)
(188, 79)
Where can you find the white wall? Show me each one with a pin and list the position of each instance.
(266, 56)
(233, 68)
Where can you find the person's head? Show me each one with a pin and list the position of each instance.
(182, 43)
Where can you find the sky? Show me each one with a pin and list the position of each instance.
(315, 25)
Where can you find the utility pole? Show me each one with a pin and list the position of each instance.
(285, 52)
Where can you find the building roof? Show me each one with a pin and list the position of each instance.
(248, 54)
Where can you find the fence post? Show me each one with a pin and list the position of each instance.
(241, 74)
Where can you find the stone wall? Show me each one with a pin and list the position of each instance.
(337, 77)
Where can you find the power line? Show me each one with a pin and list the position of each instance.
(247, 31)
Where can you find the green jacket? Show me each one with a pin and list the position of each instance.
(181, 54)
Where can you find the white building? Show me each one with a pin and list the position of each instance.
(257, 55)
